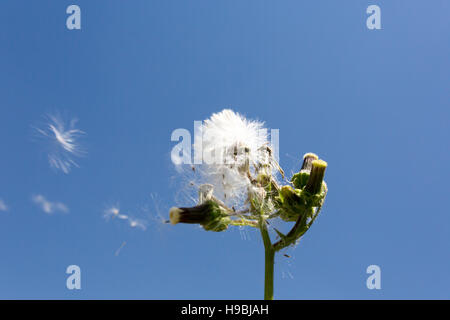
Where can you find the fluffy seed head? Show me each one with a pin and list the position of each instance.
(232, 147)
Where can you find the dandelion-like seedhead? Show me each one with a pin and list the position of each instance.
(233, 148)
(63, 138)
(238, 186)
(242, 181)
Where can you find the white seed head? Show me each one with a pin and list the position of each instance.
(232, 147)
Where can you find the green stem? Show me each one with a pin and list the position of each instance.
(244, 223)
(268, 278)
(297, 230)
(269, 253)
(270, 249)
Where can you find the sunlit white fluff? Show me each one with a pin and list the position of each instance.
(64, 142)
(231, 146)
(227, 130)
(113, 212)
(47, 206)
(137, 223)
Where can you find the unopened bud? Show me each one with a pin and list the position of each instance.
(315, 180)
(209, 215)
(308, 158)
(292, 205)
(300, 179)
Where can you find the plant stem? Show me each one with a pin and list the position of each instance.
(269, 253)
(244, 222)
(270, 249)
(268, 278)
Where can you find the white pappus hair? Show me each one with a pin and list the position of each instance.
(231, 147)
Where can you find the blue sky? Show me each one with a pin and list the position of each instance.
(373, 103)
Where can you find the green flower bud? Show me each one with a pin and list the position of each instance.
(292, 204)
(300, 179)
(314, 184)
(308, 158)
(210, 215)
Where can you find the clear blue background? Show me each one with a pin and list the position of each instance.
(373, 103)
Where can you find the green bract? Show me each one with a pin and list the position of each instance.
(300, 179)
(217, 218)
(210, 215)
